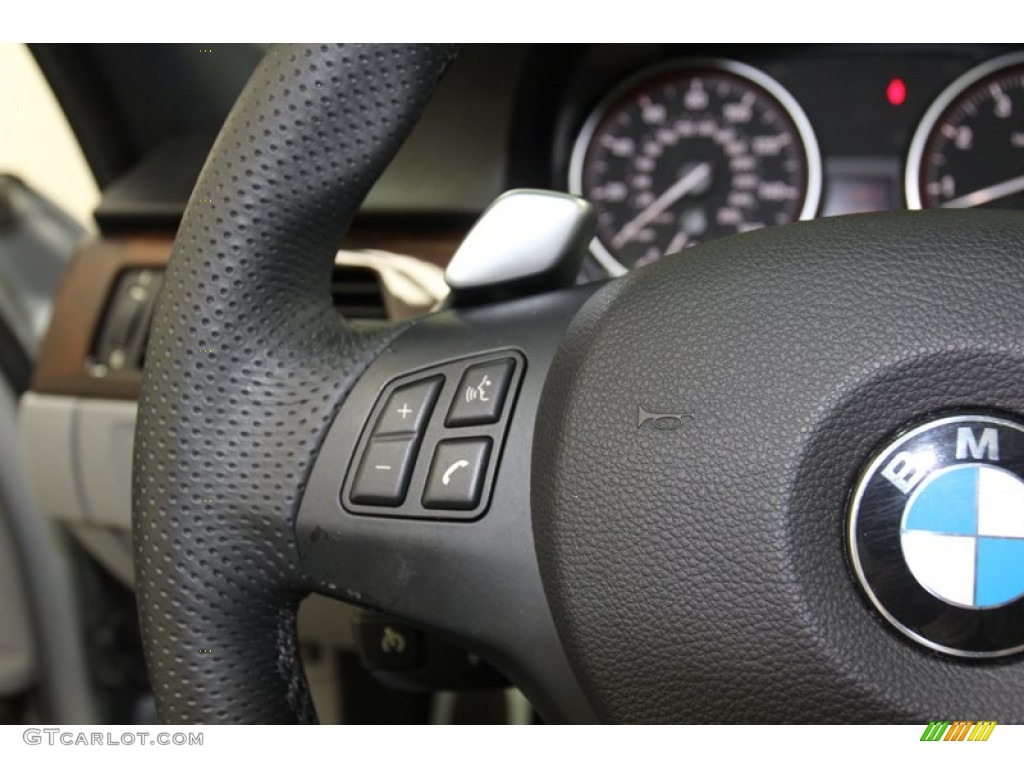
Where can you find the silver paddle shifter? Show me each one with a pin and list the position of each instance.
(527, 241)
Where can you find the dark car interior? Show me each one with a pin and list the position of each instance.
(595, 467)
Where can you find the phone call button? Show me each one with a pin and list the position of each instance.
(457, 473)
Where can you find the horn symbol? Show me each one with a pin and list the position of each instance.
(664, 421)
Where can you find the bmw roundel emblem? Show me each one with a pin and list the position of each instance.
(936, 535)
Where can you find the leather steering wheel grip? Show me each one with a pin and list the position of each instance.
(247, 365)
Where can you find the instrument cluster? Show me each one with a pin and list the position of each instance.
(692, 148)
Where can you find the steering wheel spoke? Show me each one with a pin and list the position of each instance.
(447, 414)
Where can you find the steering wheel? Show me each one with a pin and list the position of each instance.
(616, 566)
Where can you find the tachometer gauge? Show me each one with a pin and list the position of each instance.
(968, 151)
(689, 152)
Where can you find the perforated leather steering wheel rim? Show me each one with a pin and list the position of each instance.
(248, 364)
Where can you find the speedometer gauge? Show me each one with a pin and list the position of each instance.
(968, 151)
(690, 152)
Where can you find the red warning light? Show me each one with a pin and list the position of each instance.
(896, 91)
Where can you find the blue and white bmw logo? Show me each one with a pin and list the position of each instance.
(936, 535)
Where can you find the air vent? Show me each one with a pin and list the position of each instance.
(357, 294)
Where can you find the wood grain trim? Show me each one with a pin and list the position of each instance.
(63, 364)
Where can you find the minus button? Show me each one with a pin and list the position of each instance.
(383, 476)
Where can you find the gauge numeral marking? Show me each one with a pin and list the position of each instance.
(696, 99)
(1002, 106)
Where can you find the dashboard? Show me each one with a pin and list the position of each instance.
(676, 145)
(672, 144)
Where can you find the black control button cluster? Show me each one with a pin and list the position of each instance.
(434, 443)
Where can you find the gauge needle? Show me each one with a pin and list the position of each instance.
(987, 194)
(686, 184)
(678, 242)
